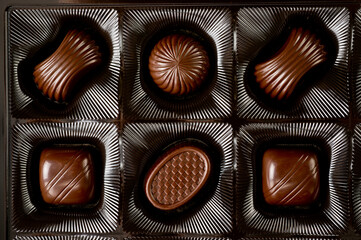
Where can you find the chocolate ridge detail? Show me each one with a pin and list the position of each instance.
(290, 177)
(279, 75)
(76, 55)
(66, 176)
(176, 177)
(178, 64)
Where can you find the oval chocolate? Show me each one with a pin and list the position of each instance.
(177, 176)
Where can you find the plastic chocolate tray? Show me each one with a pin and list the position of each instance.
(230, 121)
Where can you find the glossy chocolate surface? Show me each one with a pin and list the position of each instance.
(76, 56)
(178, 64)
(279, 76)
(290, 177)
(66, 176)
(177, 177)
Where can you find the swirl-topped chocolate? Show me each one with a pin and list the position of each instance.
(76, 56)
(279, 75)
(178, 64)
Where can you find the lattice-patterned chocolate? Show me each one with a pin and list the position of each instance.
(177, 177)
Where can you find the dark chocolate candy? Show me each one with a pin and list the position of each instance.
(178, 64)
(280, 75)
(177, 176)
(290, 177)
(66, 176)
(76, 56)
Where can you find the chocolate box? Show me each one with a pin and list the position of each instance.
(186, 120)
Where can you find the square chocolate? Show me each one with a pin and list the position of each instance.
(66, 176)
(290, 177)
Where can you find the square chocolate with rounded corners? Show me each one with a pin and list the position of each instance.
(325, 212)
(86, 210)
(66, 176)
(290, 176)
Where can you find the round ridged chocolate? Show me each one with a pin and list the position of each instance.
(176, 177)
(178, 64)
(76, 56)
(280, 75)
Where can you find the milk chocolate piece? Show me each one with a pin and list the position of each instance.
(76, 56)
(66, 176)
(178, 64)
(290, 177)
(279, 75)
(177, 177)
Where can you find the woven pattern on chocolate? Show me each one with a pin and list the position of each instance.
(178, 178)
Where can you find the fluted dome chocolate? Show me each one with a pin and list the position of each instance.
(178, 64)
(57, 75)
(280, 75)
